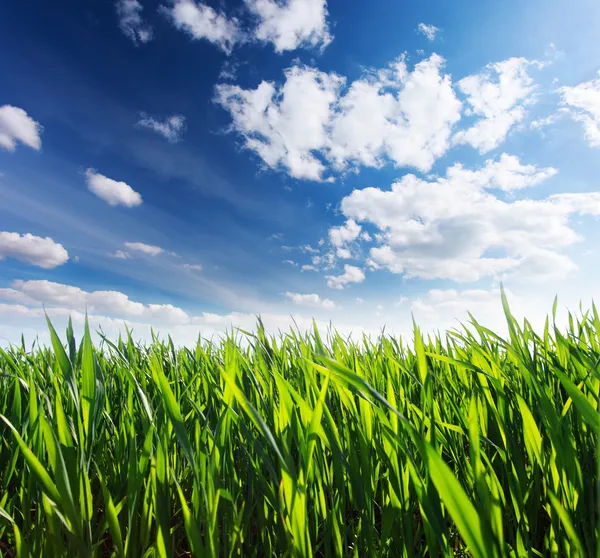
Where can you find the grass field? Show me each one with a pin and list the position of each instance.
(303, 445)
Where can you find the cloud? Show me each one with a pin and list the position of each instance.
(171, 128)
(17, 126)
(313, 300)
(428, 30)
(499, 95)
(121, 255)
(112, 192)
(351, 274)
(35, 250)
(70, 298)
(444, 308)
(468, 225)
(290, 24)
(274, 123)
(202, 22)
(540, 123)
(344, 234)
(583, 101)
(192, 267)
(131, 22)
(406, 117)
(147, 249)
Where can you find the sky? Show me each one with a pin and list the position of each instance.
(186, 166)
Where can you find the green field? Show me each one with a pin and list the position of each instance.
(304, 444)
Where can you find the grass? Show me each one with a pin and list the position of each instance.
(463, 445)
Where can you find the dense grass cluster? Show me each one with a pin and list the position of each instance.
(302, 446)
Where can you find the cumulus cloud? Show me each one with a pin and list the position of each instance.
(17, 126)
(171, 128)
(351, 274)
(200, 21)
(313, 300)
(69, 298)
(342, 235)
(464, 227)
(34, 250)
(428, 30)
(290, 24)
(147, 249)
(131, 22)
(111, 191)
(499, 95)
(583, 102)
(285, 127)
(406, 117)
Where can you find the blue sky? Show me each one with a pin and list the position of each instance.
(345, 161)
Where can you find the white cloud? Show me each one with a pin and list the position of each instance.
(121, 255)
(308, 267)
(443, 308)
(540, 123)
(285, 127)
(313, 300)
(583, 101)
(111, 191)
(17, 296)
(499, 95)
(17, 126)
(344, 253)
(458, 228)
(69, 298)
(147, 249)
(351, 274)
(428, 30)
(203, 22)
(192, 267)
(290, 24)
(344, 234)
(35, 250)
(131, 21)
(171, 128)
(392, 113)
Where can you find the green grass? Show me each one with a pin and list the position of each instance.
(299, 445)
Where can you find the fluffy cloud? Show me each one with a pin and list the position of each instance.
(288, 126)
(202, 22)
(351, 274)
(111, 191)
(121, 255)
(428, 30)
(463, 227)
(290, 24)
(131, 22)
(147, 249)
(313, 300)
(583, 101)
(170, 128)
(342, 235)
(70, 298)
(392, 113)
(17, 126)
(499, 95)
(35, 250)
